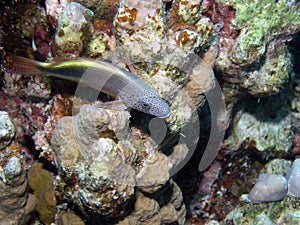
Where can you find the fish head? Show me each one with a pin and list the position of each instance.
(153, 105)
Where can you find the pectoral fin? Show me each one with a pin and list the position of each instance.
(113, 105)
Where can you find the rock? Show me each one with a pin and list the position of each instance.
(268, 187)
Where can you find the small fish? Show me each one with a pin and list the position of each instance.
(103, 76)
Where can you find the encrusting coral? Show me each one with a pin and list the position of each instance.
(101, 164)
(71, 33)
(254, 127)
(88, 159)
(254, 51)
(16, 204)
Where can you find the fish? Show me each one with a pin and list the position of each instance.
(103, 76)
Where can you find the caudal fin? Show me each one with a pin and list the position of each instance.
(26, 66)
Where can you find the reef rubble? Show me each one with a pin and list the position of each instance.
(101, 164)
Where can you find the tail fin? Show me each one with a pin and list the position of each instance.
(26, 66)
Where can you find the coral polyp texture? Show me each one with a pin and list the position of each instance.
(17, 205)
(252, 127)
(102, 165)
(257, 55)
(72, 30)
(162, 49)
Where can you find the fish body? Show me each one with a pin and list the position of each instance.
(103, 76)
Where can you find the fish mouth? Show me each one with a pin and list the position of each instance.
(166, 115)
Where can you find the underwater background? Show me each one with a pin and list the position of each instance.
(228, 153)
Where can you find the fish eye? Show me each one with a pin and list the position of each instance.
(145, 103)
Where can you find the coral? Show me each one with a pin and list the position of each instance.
(218, 190)
(256, 127)
(162, 52)
(71, 32)
(280, 212)
(16, 204)
(18, 23)
(58, 106)
(103, 9)
(67, 217)
(98, 44)
(295, 106)
(253, 40)
(277, 166)
(149, 211)
(269, 187)
(101, 164)
(273, 74)
(26, 115)
(7, 130)
(40, 181)
(289, 217)
(293, 179)
(55, 7)
(284, 211)
(265, 20)
(90, 162)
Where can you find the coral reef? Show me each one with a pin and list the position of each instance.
(115, 167)
(256, 127)
(253, 49)
(55, 7)
(71, 33)
(171, 51)
(87, 159)
(150, 211)
(101, 164)
(157, 47)
(282, 212)
(7, 130)
(272, 212)
(277, 166)
(17, 205)
(67, 217)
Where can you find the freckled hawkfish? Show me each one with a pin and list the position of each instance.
(114, 81)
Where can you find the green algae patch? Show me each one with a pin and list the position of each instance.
(260, 130)
(270, 213)
(263, 20)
